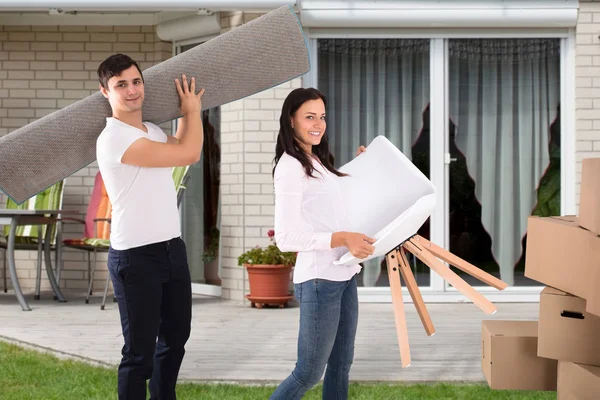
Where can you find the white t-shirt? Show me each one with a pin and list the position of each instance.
(144, 200)
(307, 212)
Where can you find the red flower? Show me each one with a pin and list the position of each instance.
(271, 233)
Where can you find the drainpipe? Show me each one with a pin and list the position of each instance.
(440, 18)
(188, 27)
(142, 5)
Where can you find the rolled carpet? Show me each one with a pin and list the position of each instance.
(263, 53)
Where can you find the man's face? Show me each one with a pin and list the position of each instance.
(125, 92)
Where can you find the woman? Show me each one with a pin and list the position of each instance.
(311, 219)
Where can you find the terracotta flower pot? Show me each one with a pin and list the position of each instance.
(269, 284)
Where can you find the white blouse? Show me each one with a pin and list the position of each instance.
(307, 212)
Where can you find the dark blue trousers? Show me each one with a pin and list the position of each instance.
(153, 289)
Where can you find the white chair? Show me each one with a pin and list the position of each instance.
(389, 199)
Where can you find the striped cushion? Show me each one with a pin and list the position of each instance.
(179, 174)
(91, 242)
(96, 242)
(100, 207)
(49, 199)
(19, 240)
(96, 234)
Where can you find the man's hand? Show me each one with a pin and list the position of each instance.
(190, 101)
(186, 147)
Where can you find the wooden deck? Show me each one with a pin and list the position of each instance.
(233, 342)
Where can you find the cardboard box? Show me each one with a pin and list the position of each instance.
(561, 254)
(578, 382)
(566, 331)
(509, 357)
(589, 199)
(592, 305)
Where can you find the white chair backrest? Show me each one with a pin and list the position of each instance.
(388, 197)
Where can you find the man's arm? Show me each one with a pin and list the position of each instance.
(178, 151)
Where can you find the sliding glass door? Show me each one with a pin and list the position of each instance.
(481, 117)
(504, 145)
(378, 87)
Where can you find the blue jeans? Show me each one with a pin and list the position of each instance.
(328, 320)
(153, 289)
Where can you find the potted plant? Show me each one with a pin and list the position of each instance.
(268, 274)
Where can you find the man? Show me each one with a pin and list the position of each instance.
(147, 258)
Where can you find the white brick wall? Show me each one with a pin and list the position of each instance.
(45, 68)
(587, 92)
(249, 130)
(248, 134)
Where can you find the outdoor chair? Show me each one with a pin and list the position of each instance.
(97, 226)
(30, 237)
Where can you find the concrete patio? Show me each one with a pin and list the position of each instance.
(233, 342)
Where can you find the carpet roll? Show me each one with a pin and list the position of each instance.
(256, 56)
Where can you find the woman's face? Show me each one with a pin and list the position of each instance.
(309, 124)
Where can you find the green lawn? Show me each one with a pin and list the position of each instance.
(26, 375)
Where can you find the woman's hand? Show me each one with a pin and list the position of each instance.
(359, 245)
(360, 150)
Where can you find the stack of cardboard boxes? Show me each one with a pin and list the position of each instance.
(561, 351)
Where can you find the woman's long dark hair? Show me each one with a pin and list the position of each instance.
(286, 139)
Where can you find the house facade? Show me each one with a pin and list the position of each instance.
(496, 105)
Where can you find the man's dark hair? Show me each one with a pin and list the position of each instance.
(114, 66)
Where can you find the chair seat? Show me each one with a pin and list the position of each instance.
(88, 243)
(20, 240)
(21, 243)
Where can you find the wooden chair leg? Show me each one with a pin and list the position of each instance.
(415, 293)
(477, 298)
(459, 263)
(399, 312)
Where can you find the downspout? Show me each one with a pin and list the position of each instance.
(142, 5)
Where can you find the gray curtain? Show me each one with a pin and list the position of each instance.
(374, 87)
(201, 206)
(504, 96)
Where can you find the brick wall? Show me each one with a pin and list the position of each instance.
(248, 132)
(45, 68)
(587, 92)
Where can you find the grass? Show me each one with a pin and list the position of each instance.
(28, 375)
